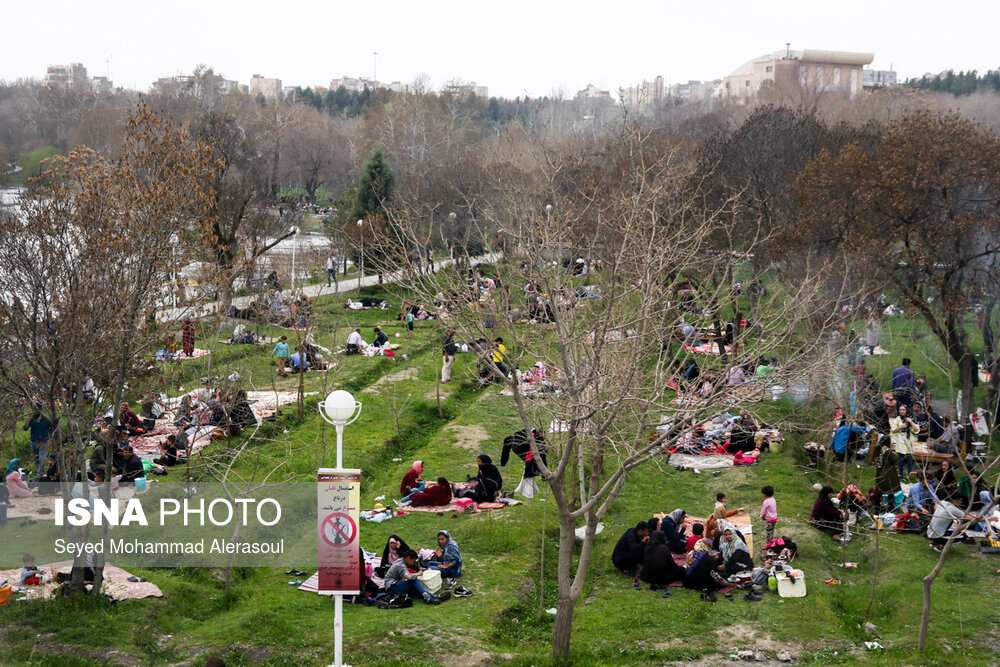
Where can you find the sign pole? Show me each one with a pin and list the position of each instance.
(339, 566)
(338, 630)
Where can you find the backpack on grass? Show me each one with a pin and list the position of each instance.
(395, 601)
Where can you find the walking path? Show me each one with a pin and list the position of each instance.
(312, 291)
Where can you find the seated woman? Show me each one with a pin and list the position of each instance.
(433, 496)
(741, 438)
(488, 482)
(674, 536)
(735, 554)
(412, 481)
(16, 486)
(701, 573)
(394, 549)
(129, 421)
(658, 567)
(447, 558)
(825, 516)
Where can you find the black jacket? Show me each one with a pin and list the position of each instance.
(520, 444)
(490, 481)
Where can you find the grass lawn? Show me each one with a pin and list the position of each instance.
(265, 621)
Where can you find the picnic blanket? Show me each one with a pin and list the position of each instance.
(701, 461)
(198, 352)
(262, 403)
(706, 348)
(40, 508)
(311, 585)
(116, 583)
(262, 340)
(879, 350)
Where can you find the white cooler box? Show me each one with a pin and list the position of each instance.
(787, 589)
(431, 579)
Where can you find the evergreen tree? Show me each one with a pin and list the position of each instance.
(378, 185)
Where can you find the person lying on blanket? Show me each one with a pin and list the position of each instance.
(447, 557)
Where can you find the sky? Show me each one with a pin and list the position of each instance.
(516, 48)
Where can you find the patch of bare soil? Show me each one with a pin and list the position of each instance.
(467, 436)
(475, 659)
(409, 373)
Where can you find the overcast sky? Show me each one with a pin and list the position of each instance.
(514, 47)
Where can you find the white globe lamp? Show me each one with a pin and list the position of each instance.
(340, 409)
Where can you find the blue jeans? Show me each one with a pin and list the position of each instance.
(331, 274)
(410, 586)
(448, 572)
(905, 461)
(40, 452)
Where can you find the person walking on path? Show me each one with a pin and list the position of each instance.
(331, 270)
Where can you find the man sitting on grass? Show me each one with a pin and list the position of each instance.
(403, 576)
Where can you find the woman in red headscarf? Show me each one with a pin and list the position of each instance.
(187, 339)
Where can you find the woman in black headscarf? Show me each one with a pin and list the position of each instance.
(489, 483)
(658, 566)
(394, 548)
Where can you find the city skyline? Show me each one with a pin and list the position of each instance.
(558, 47)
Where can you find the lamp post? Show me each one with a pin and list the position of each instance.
(295, 243)
(339, 409)
(361, 268)
(451, 218)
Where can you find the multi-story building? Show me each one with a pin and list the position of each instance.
(463, 89)
(102, 84)
(806, 70)
(593, 92)
(644, 95)
(693, 91)
(67, 76)
(878, 78)
(269, 88)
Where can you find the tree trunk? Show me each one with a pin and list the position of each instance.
(925, 618)
(967, 370)
(562, 634)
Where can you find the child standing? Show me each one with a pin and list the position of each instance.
(769, 511)
(409, 323)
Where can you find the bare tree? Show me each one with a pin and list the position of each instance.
(606, 328)
(79, 277)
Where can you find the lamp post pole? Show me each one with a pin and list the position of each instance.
(361, 268)
(295, 244)
(339, 409)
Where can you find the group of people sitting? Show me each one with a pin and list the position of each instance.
(357, 345)
(659, 552)
(401, 568)
(486, 486)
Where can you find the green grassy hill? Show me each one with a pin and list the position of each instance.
(266, 621)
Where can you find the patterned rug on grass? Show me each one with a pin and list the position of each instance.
(116, 583)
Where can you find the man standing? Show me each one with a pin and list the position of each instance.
(904, 384)
(449, 350)
(331, 269)
(40, 428)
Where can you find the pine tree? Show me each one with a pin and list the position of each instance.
(377, 187)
